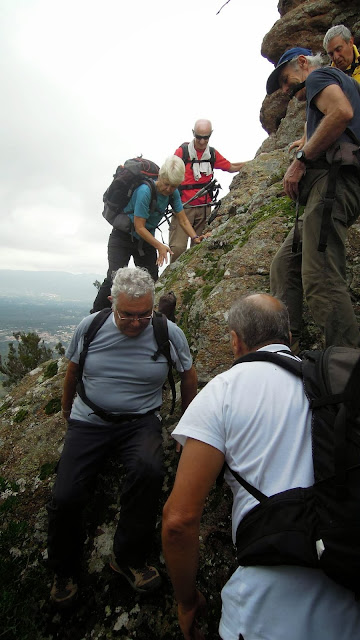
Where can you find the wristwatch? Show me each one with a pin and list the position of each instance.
(300, 155)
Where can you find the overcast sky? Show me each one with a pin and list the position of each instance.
(87, 84)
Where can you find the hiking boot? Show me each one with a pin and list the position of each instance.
(63, 591)
(143, 579)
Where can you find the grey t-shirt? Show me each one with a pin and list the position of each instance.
(119, 373)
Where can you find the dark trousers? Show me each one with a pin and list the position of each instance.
(321, 276)
(138, 446)
(121, 247)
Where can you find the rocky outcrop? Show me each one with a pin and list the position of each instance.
(253, 220)
(303, 23)
(31, 437)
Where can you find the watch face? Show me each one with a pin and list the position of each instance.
(300, 155)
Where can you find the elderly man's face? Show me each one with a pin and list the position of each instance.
(341, 52)
(133, 315)
(202, 135)
(289, 77)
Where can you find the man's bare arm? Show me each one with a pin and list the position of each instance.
(199, 466)
(236, 166)
(69, 389)
(188, 387)
(337, 110)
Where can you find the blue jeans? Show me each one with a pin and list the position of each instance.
(138, 446)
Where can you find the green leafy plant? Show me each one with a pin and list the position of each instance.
(51, 370)
(23, 356)
(53, 406)
(21, 415)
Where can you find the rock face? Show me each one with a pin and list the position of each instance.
(303, 23)
(32, 433)
(252, 223)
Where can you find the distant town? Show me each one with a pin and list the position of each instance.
(53, 321)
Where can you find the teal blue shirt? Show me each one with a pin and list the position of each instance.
(139, 206)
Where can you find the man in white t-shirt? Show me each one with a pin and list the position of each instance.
(255, 417)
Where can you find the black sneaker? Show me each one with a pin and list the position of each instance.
(63, 591)
(143, 579)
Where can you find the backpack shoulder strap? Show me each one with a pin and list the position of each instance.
(90, 334)
(153, 193)
(290, 364)
(186, 158)
(185, 152)
(249, 487)
(161, 334)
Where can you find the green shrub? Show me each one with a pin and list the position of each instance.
(53, 406)
(21, 415)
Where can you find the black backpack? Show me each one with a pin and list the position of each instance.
(127, 178)
(317, 526)
(186, 160)
(161, 333)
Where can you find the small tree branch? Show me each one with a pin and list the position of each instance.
(227, 2)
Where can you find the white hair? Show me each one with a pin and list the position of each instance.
(337, 30)
(133, 281)
(314, 61)
(173, 170)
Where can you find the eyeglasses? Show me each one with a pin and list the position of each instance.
(201, 137)
(128, 319)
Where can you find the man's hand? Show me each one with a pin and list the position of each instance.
(297, 144)
(163, 255)
(292, 178)
(188, 618)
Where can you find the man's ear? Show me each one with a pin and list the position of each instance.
(302, 61)
(233, 342)
(110, 298)
(238, 346)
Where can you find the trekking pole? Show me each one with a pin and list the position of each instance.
(207, 187)
(214, 213)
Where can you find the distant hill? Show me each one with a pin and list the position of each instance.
(48, 285)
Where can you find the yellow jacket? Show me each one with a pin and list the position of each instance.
(353, 69)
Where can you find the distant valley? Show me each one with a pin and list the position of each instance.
(49, 303)
(48, 285)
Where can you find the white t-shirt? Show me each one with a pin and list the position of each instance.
(257, 414)
(119, 374)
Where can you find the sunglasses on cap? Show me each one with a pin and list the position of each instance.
(201, 137)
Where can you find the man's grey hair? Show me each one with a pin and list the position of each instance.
(258, 324)
(132, 281)
(333, 32)
(319, 60)
(173, 170)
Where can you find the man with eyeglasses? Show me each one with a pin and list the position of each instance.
(200, 161)
(123, 384)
